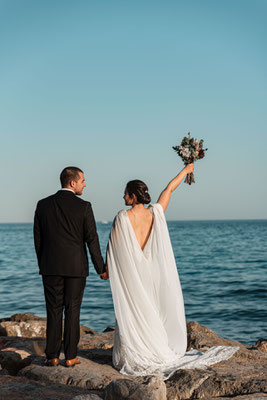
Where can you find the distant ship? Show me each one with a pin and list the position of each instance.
(104, 222)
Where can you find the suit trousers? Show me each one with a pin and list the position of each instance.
(66, 293)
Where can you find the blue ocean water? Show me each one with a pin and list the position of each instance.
(221, 264)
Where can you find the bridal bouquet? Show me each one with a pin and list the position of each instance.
(190, 150)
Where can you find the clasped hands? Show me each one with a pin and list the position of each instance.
(105, 275)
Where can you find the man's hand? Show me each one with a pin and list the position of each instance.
(105, 275)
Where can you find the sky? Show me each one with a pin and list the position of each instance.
(111, 86)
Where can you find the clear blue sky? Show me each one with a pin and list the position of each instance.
(111, 86)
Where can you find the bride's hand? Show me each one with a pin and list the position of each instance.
(189, 168)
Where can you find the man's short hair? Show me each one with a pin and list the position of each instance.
(69, 174)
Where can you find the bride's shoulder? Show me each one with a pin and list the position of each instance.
(157, 211)
(158, 207)
(119, 218)
(120, 215)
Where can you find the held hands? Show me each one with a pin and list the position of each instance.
(189, 168)
(105, 275)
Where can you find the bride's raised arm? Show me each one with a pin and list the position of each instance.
(165, 195)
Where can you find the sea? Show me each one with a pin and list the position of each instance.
(221, 265)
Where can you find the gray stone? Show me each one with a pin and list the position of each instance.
(17, 353)
(30, 325)
(102, 340)
(261, 345)
(21, 388)
(87, 375)
(3, 371)
(23, 329)
(87, 397)
(243, 374)
(13, 359)
(150, 388)
(201, 338)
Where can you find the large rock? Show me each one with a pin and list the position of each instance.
(151, 388)
(13, 359)
(23, 329)
(17, 353)
(201, 338)
(97, 341)
(23, 325)
(30, 325)
(261, 345)
(244, 373)
(3, 371)
(87, 375)
(21, 388)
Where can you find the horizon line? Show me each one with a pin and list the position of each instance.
(104, 221)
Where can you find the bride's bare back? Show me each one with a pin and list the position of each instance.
(141, 220)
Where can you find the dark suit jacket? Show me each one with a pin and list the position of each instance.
(63, 224)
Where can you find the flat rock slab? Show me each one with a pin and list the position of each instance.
(97, 340)
(87, 375)
(150, 388)
(21, 388)
(243, 374)
(30, 325)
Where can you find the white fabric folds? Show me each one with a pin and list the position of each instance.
(150, 336)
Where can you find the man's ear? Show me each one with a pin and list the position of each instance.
(72, 183)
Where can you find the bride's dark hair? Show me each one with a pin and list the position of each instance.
(140, 190)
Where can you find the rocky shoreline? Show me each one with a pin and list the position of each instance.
(23, 375)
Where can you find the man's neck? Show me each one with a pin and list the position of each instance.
(70, 190)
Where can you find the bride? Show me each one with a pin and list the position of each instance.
(150, 335)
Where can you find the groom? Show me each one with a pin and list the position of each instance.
(63, 225)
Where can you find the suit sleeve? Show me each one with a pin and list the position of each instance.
(91, 238)
(37, 234)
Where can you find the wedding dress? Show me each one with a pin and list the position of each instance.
(150, 335)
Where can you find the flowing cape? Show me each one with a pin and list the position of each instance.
(150, 334)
